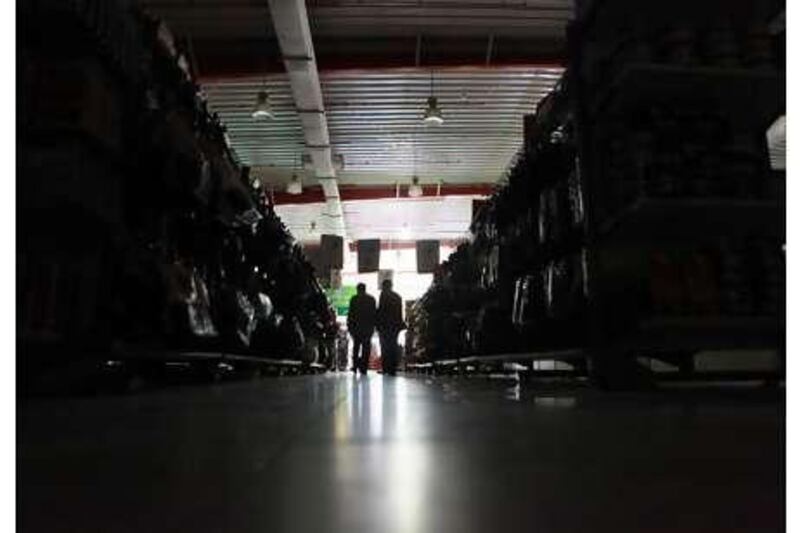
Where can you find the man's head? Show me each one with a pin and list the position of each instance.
(386, 285)
(361, 288)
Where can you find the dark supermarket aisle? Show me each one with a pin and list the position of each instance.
(345, 453)
(561, 223)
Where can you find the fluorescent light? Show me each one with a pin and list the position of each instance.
(262, 109)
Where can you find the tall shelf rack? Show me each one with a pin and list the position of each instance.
(685, 216)
(642, 219)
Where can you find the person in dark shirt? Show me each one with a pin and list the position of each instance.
(361, 324)
(389, 322)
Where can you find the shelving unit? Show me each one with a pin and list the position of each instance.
(642, 216)
(699, 123)
(705, 333)
(726, 87)
(141, 229)
(680, 218)
(464, 365)
(517, 288)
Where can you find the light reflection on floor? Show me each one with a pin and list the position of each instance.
(374, 433)
(555, 401)
(365, 454)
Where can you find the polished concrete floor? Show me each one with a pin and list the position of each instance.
(409, 454)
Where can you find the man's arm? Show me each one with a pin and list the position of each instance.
(399, 311)
(350, 314)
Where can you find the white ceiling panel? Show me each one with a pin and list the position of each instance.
(401, 219)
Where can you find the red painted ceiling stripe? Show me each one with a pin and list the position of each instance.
(313, 246)
(406, 245)
(312, 195)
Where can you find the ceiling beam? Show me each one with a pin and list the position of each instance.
(290, 20)
(312, 195)
(391, 244)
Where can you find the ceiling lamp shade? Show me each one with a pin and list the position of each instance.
(294, 187)
(415, 191)
(433, 115)
(262, 109)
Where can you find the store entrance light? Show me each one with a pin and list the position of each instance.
(415, 190)
(294, 187)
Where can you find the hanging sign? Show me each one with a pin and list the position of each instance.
(369, 255)
(332, 250)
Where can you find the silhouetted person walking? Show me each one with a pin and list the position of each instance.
(389, 322)
(361, 324)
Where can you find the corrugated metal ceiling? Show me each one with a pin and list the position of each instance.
(374, 114)
(374, 119)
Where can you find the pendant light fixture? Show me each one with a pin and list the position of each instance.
(262, 109)
(433, 115)
(415, 190)
(295, 186)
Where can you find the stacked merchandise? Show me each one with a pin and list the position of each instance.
(416, 320)
(643, 216)
(520, 284)
(138, 227)
(442, 323)
(550, 291)
(686, 212)
(76, 60)
(492, 330)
